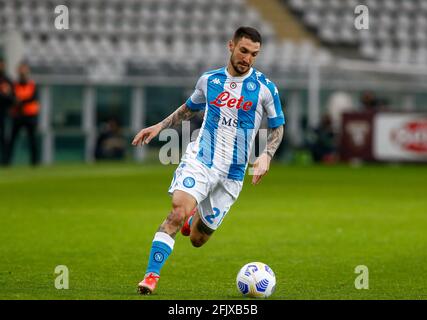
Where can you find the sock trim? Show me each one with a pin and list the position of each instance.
(165, 238)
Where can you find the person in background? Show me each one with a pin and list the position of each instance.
(369, 101)
(338, 103)
(110, 144)
(322, 142)
(383, 104)
(7, 98)
(24, 113)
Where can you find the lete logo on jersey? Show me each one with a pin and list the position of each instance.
(223, 99)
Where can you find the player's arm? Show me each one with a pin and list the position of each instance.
(274, 138)
(195, 103)
(275, 119)
(147, 134)
(262, 164)
(181, 114)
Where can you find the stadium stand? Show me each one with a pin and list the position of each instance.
(136, 59)
(397, 29)
(111, 38)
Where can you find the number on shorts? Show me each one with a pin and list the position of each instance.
(210, 218)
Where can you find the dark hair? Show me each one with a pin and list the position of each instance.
(247, 32)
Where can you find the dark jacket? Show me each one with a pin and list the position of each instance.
(7, 96)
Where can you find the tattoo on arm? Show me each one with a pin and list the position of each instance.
(180, 114)
(274, 138)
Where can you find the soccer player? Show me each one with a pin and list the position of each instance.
(210, 176)
(7, 98)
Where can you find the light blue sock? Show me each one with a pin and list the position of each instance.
(190, 220)
(160, 250)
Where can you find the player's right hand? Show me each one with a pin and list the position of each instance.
(146, 135)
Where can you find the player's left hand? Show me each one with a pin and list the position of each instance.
(261, 167)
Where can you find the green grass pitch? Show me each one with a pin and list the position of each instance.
(313, 225)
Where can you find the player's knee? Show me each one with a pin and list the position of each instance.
(197, 239)
(197, 242)
(178, 214)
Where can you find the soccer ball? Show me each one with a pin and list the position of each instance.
(256, 280)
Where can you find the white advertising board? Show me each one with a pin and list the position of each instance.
(399, 136)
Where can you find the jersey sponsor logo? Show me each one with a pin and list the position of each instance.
(233, 122)
(223, 99)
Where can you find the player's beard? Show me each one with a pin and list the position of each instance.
(239, 66)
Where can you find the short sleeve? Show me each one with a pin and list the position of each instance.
(197, 101)
(273, 106)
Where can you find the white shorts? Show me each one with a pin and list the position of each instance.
(214, 192)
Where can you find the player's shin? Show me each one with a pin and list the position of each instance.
(161, 248)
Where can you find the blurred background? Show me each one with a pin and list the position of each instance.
(348, 94)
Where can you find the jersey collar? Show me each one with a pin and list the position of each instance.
(238, 79)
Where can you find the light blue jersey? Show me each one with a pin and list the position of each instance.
(234, 108)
